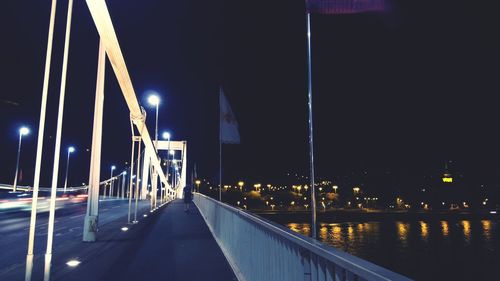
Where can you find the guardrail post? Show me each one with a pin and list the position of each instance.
(306, 264)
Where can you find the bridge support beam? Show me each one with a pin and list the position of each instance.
(92, 216)
(146, 163)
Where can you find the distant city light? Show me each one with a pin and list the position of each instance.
(447, 178)
(124, 228)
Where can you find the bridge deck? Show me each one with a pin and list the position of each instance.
(171, 245)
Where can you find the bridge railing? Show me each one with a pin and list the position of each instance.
(258, 249)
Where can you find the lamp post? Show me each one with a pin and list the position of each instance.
(22, 132)
(172, 153)
(198, 185)
(111, 180)
(70, 150)
(154, 100)
(166, 135)
(124, 176)
(175, 175)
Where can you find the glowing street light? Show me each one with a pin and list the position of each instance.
(335, 189)
(240, 184)
(71, 149)
(154, 100)
(356, 190)
(23, 131)
(198, 182)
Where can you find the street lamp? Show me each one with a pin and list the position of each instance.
(335, 189)
(22, 132)
(198, 182)
(113, 167)
(171, 153)
(70, 150)
(154, 100)
(240, 184)
(124, 175)
(166, 136)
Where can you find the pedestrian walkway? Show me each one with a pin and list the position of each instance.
(170, 245)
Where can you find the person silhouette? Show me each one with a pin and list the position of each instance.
(188, 197)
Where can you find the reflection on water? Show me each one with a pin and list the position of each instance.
(466, 226)
(424, 230)
(403, 231)
(486, 229)
(444, 228)
(442, 249)
(302, 228)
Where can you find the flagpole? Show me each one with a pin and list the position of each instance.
(220, 147)
(311, 143)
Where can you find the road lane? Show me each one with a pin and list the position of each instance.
(68, 229)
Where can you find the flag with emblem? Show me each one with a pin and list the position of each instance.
(228, 124)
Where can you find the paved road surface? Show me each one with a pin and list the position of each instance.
(169, 244)
(68, 230)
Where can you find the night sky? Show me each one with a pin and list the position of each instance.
(404, 91)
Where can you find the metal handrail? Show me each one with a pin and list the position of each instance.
(359, 267)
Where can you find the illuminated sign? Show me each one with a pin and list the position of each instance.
(447, 178)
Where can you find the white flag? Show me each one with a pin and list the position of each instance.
(228, 125)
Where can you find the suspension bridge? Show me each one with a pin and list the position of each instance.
(132, 226)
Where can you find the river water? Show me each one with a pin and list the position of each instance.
(422, 250)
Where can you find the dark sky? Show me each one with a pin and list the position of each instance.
(404, 91)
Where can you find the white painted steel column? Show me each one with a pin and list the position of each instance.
(39, 149)
(55, 171)
(131, 178)
(146, 168)
(137, 180)
(91, 217)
